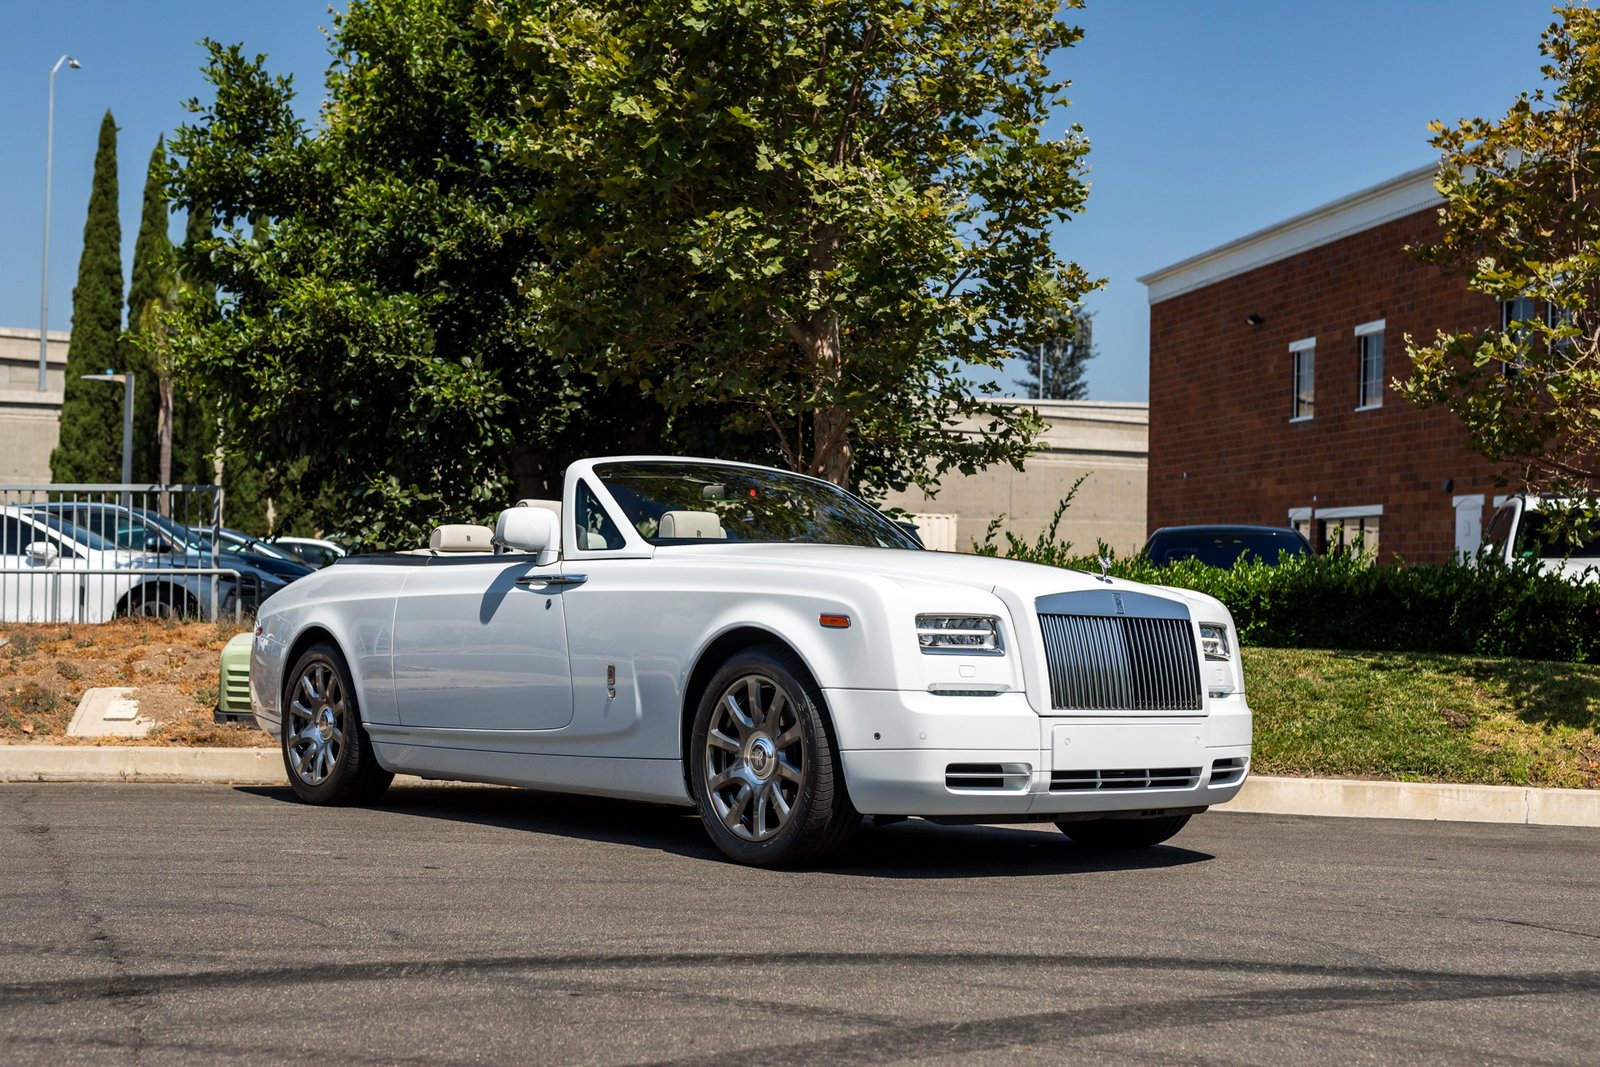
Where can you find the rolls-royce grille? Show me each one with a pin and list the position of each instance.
(1140, 778)
(1117, 663)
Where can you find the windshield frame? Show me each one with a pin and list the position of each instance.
(634, 511)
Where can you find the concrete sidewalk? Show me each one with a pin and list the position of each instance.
(1274, 796)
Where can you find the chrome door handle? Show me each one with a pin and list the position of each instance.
(529, 581)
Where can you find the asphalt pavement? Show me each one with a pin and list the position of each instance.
(180, 924)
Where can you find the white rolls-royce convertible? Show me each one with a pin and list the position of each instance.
(765, 647)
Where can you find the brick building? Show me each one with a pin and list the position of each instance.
(1270, 359)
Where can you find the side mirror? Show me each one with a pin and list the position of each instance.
(42, 554)
(529, 530)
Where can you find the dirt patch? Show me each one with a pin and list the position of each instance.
(170, 666)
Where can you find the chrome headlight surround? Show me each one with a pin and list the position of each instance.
(960, 634)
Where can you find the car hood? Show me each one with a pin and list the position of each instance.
(908, 565)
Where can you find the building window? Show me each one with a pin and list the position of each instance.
(1342, 529)
(1304, 356)
(1369, 341)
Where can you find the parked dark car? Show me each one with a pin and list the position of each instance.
(233, 545)
(1223, 546)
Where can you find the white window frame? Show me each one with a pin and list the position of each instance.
(1297, 349)
(1312, 516)
(1363, 332)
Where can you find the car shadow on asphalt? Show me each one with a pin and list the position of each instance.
(911, 849)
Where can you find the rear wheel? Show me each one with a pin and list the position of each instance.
(1114, 834)
(763, 764)
(158, 601)
(326, 751)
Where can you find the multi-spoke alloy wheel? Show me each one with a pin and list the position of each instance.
(317, 713)
(326, 753)
(755, 758)
(762, 763)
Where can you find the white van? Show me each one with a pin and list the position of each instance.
(1517, 531)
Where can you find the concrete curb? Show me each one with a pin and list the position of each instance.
(139, 763)
(1417, 800)
(1261, 795)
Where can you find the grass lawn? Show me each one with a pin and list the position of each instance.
(1424, 718)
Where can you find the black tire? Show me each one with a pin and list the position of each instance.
(157, 601)
(326, 751)
(771, 792)
(1117, 834)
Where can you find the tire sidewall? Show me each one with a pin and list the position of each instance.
(777, 848)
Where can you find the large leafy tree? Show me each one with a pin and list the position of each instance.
(815, 214)
(1520, 223)
(368, 340)
(90, 446)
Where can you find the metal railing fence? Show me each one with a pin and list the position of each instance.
(93, 552)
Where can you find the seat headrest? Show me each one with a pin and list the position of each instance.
(548, 505)
(462, 537)
(699, 524)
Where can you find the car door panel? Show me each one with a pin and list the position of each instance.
(474, 649)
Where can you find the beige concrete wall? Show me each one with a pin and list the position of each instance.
(1108, 442)
(29, 419)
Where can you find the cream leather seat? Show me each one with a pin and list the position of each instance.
(462, 537)
(702, 525)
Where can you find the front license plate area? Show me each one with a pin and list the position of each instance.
(1118, 747)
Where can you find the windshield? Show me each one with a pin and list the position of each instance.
(186, 537)
(1540, 538)
(688, 503)
(86, 538)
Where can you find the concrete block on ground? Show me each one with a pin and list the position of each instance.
(108, 711)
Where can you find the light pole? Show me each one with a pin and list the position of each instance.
(127, 416)
(44, 273)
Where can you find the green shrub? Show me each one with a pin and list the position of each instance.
(1346, 602)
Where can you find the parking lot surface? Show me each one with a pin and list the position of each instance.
(208, 924)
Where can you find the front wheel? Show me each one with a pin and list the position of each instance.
(326, 751)
(1115, 834)
(763, 766)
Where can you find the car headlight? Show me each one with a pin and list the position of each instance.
(1214, 641)
(959, 633)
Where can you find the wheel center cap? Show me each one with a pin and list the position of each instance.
(325, 724)
(762, 757)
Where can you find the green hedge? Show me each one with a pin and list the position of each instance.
(1345, 602)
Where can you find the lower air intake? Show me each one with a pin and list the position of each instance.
(1228, 771)
(1133, 778)
(989, 776)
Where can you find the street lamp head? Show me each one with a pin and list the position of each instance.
(73, 63)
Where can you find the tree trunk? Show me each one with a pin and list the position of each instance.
(831, 455)
(164, 436)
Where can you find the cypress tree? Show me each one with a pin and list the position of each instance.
(90, 446)
(151, 291)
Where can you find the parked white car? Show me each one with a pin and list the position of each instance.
(1518, 532)
(765, 647)
(54, 571)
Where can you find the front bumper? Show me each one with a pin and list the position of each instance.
(994, 758)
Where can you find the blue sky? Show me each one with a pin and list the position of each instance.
(1209, 120)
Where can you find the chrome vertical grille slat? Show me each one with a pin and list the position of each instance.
(1118, 663)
